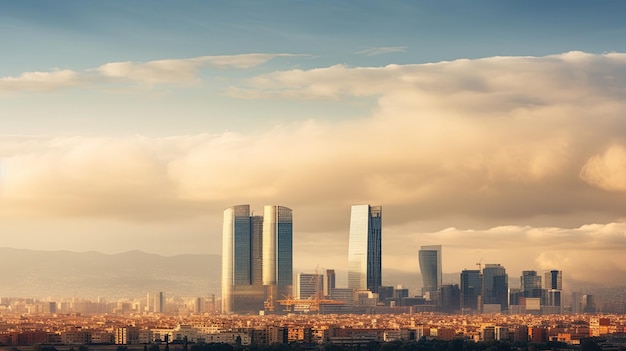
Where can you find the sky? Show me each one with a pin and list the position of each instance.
(494, 128)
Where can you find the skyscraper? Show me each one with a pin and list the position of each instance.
(430, 267)
(471, 288)
(553, 280)
(495, 287)
(365, 248)
(530, 283)
(330, 282)
(278, 250)
(245, 241)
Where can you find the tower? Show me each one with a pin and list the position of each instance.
(553, 280)
(365, 248)
(430, 267)
(471, 288)
(330, 282)
(242, 245)
(531, 284)
(495, 287)
(278, 250)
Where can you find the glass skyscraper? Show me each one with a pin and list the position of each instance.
(365, 248)
(471, 288)
(430, 267)
(278, 250)
(495, 286)
(530, 283)
(243, 256)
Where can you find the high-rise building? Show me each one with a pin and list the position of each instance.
(365, 248)
(159, 302)
(309, 285)
(495, 287)
(471, 288)
(330, 282)
(278, 250)
(430, 267)
(530, 283)
(253, 246)
(553, 280)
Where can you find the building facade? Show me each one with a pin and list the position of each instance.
(430, 267)
(365, 248)
(278, 251)
(309, 286)
(471, 289)
(495, 287)
(256, 257)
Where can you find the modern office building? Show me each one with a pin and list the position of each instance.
(365, 248)
(495, 287)
(253, 246)
(278, 251)
(309, 286)
(553, 280)
(159, 302)
(330, 282)
(471, 288)
(530, 284)
(430, 267)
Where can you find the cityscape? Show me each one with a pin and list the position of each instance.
(264, 302)
(312, 175)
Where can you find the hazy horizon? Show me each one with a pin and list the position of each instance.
(497, 130)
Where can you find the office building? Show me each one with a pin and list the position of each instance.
(553, 280)
(159, 302)
(530, 283)
(256, 257)
(430, 267)
(278, 251)
(365, 248)
(495, 288)
(330, 282)
(449, 298)
(471, 288)
(309, 286)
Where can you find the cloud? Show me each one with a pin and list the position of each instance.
(40, 81)
(518, 148)
(180, 70)
(151, 72)
(607, 171)
(379, 50)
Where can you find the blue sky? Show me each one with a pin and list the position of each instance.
(491, 122)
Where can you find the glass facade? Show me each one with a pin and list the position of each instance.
(495, 286)
(365, 248)
(278, 249)
(531, 284)
(471, 288)
(250, 244)
(430, 267)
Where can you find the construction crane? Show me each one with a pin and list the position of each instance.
(480, 265)
(313, 303)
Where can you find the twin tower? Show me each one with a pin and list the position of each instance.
(257, 258)
(257, 255)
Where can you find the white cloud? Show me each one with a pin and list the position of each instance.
(151, 72)
(607, 171)
(180, 70)
(40, 81)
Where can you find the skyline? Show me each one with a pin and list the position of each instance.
(485, 128)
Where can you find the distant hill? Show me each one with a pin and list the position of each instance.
(29, 273)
